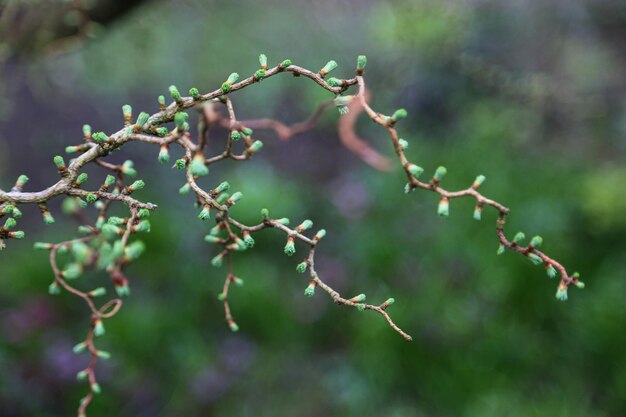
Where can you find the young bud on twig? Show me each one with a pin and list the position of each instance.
(290, 247)
(86, 131)
(310, 290)
(330, 65)
(478, 182)
(443, 209)
(361, 61)
(561, 292)
(194, 93)
(175, 94)
(198, 167)
(127, 111)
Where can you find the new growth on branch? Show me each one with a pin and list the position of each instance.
(108, 243)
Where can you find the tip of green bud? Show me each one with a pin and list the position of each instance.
(361, 61)
(309, 291)
(399, 114)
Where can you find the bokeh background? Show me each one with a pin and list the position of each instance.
(530, 93)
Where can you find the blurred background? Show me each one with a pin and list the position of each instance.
(531, 94)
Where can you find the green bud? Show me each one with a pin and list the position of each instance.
(310, 290)
(551, 271)
(194, 93)
(221, 296)
(238, 281)
(100, 137)
(561, 292)
(103, 354)
(360, 307)
(198, 167)
(500, 250)
(180, 119)
(59, 162)
(359, 298)
(536, 241)
(478, 209)
(135, 250)
(478, 181)
(302, 266)
(361, 61)
(235, 197)
(95, 387)
(82, 178)
(143, 213)
(580, 284)
(217, 260)
(17, 213)
(98, 292)
(443, 209)
(259, 74)
(212, 239)
(440, 172)
(81, 252)
(21, 181)
(233, 326)
(162, 131)
(184, 190)
(109, 230)
(232, 78)
(222, 197)
(335, 82)
(174, 93)
(98, 328)
(263, 60)
(389, 302)
(54, 288)
(41, 245)
(143, 226)
(109, 181)
(161, 100)
(137, 185)
(80, 347)
(86, 131)
(285, 63)
(290, 247)
(320, 234)
(305, 225)
(19, 234)
(246, 131)
(142, 119)
(164, 154)
(403, 144)
(415, 170)
(224, 186)
(399, 114)
(265, 213)
(225, 87)
(127, 168)
(8, 209)
(535, 259)
(127, 111)
(10, 223)
(330, 65)
(519, 236)
(72, 271)
(256, 146)
(284, 221)
(181, 163)
(82, 375)
(248, 240)
(205, 214)
(235, 135)
(91, 198)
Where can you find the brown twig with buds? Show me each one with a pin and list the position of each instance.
(106, 244)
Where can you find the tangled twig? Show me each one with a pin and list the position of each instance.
(106, 243)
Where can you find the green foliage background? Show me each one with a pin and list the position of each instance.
(529, 94)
